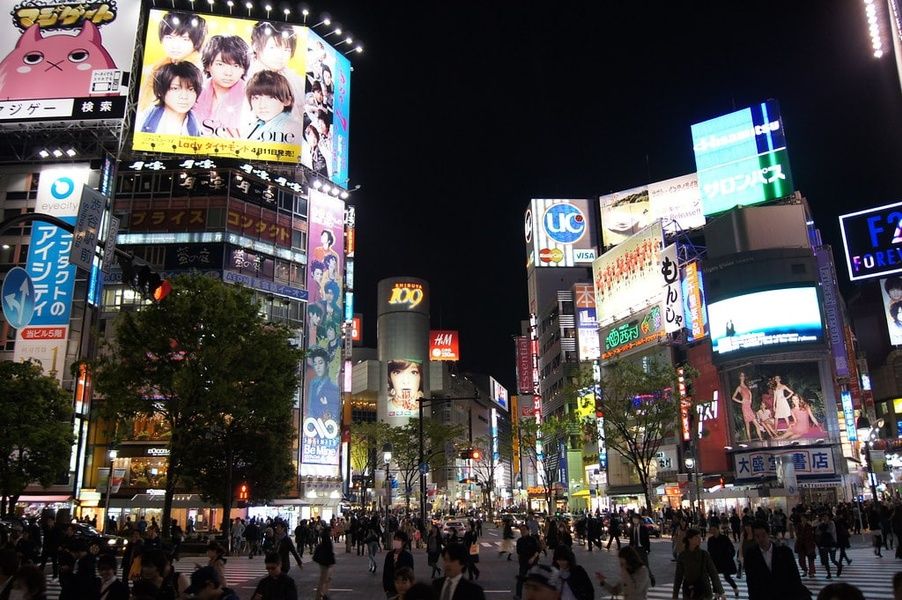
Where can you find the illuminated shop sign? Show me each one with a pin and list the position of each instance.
(407, 294)
(872, 240)
(636, 333)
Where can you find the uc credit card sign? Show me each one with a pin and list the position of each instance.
(872, 240)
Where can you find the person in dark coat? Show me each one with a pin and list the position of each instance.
(110, 586)
(276, 585)
(455, 557)
(770, 569)
(527, 556)
(324, 556)
(573, 576)
(285, 548)
(471, 543)
(722, 551)
(394, 560)
(613, 530)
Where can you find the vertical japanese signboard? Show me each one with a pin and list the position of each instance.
(322, 400)
(44, 339)
(673, 293)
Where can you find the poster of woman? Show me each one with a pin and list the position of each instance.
(405, 387)
(780, 401)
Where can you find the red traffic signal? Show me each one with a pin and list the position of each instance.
(471, 454)
(243, 492)
(161, 291)
(475, 454)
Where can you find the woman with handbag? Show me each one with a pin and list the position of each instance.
(696, 574)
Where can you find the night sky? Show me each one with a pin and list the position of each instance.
(463, 111)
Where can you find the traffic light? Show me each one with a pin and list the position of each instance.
(143, 279)
(243, 492)
(470, 454)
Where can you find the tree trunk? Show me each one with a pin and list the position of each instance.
(227, 508)
(3, 504)
(643, 479)
(171, 476)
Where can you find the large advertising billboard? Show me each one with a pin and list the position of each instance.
(559, 233)
(213, 85)
(67, 59)
(44, 339)
(322, 398)
(872, 240)
(766, 321)
(696, 315)
(676, 202)
(646, 328)
(499, 394)
(588, 343)
(627, 278)
(741, 158)
(779, 401)
(405, 387)
(891, 289)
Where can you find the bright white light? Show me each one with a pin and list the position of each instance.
(878, 53)
(348, 40)
(287, 11)
(359, 49)
(305, 12)
(70, 152)
(194, 22)
(327, 188)
(6, 246)
(327, 22)
(57, 153)
(344, 195)
(337, 31)
(317, 184)
(248, 5)
(268, 8)
(211, 2)
(43, 154)
(230, 4)
(175, 20)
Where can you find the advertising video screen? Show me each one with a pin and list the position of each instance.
(66, 59)
(262, 90)
(891, 289)
(676, 201)
(765, 321)
(499, 394)
(780, 401)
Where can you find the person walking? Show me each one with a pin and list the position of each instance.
(721, 550)
(372, 546)
(527, 556)
(634, 576)
(826, 544)
(276, 585)
(806, 545)
(252, 537)
(678, 537)
(324, 556)
(746, 541)
(771, 572)
(216, 559)
(394, 560)
(696, 575)
(507, 539)
(640, 541)
(613, 530)
(575, 581)
(471, 543)
(434, 549)
(453, 586)
(284, 547)
(735, 525)
(843, 539)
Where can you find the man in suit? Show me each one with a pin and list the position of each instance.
(453, 586)
(771, 570)
(640, 541)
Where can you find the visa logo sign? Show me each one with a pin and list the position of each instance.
(584, 255)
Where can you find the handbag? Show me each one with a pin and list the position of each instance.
(474, 549)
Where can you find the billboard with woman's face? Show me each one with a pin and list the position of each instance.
(405, 387)
(780, 401)
(262, 90)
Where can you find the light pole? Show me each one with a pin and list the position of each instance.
(109, 490)
(691, 466)
(386, 455)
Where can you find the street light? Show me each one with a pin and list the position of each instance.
(109, 490)
(691, 466)
(386, 455)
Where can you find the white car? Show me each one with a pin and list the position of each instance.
(459, 526)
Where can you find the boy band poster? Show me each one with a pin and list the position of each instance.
(262, 90)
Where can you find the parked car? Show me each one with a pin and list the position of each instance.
(100, 543)
(653, 529)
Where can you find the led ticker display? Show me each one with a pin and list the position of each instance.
(741, 158)
(872, 240)
(766, 321)
(228, 87)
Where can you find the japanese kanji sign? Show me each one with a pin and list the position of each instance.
(87, 229)
(765, 463)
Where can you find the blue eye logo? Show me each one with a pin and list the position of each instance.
(62, 188)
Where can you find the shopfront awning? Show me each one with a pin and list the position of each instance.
(581, 494)
(47, 499)
(156, 501)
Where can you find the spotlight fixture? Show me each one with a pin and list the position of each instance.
(57, 153)
(317, 184)
(71, 152)
(344, 195)
(43, 153)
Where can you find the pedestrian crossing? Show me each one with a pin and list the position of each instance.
(872, 575)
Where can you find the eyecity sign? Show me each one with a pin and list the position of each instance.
(872, 240)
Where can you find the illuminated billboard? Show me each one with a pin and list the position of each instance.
(262, 90)
(779, 401)
(444, 345)
(67, 59)
(499, 394)
(694, 302)
(891, 289)
(588, 345)
(405, 387)
(627, 278)
(766, 321)
(524, 364)
(872, 240)
(322, 399)
(741, 158)
(559, 233)
(646, 328)
(674, 201)
(45, 337)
